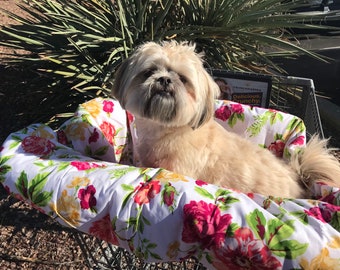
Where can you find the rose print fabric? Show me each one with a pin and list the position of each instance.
(82, 176)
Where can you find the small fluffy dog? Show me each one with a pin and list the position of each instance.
(172, 97)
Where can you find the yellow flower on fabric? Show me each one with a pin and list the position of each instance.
(321, 262)
(165, 176)
(173, 250)
(76, 130)
(67, 208)
(335, 243)
(325, 192)
(42, 132)
(93, 107)
(79, 182)
(313, 202)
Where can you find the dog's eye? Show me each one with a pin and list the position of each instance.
(148, 73)
(182, 78)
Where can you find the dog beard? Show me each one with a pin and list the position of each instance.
(160, 101)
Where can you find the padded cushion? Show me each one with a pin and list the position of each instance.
(82, 176)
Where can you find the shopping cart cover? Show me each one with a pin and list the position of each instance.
(82, 176)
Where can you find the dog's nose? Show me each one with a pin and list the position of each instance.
(164, 81)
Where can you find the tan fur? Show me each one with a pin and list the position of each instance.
(176, 129)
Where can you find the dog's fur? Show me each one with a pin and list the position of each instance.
(172, 97)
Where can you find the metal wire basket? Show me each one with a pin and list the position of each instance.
(101, 255)
(296, 96)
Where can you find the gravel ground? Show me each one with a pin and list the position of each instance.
(28, 239)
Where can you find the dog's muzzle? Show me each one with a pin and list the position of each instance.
(161, 104)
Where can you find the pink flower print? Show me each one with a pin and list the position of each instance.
(84, 165)
(328, 211)
(103, 229)
(200, 183)
(94, 136)
(236, 108)
(62, 137)
(330, 198)
(223, 113)
(87, 198)
(130, 117)
(169, 194)
(109, 131)
(108, 106)
(251, 195)
(277, 148)
(37, 145)
(81, 165)
(146, 191)
(299, 141)
(204, 223)
(245, 252)
(316, 213)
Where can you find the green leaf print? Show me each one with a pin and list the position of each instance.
(222, 192)
(44, 164)
(118, 173)
(88, 151)
(275, 116)
(231, 229)
(278, 136)
(240, 116)
(86, 118)
(257, 223)
(37, 184)
(296, 124)
(259, 122)
(22, 184)
(43, 198)
(33, 190)
(275, 233)
(126, 198)
(232, 120)
(335, 221)
(301, 215)
(204, 193)
(4, 168)
(145, 249)
(277, 230)
(289, 249)
(223, 199)
(101, 151)
(63, 166)
(16, 141)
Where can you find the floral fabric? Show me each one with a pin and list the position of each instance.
(81, 175)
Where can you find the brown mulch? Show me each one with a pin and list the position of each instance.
(28, 238)
(31, 240)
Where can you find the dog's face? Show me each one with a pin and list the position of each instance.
(166, 83)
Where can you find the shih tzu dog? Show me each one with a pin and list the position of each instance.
(171, 95)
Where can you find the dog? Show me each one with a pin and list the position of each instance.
(166, 87)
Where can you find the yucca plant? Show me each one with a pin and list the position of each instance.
(83, 42)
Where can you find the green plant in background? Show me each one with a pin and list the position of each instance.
(83, 42)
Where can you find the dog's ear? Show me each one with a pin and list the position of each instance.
(117, 90)
(210, 92)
